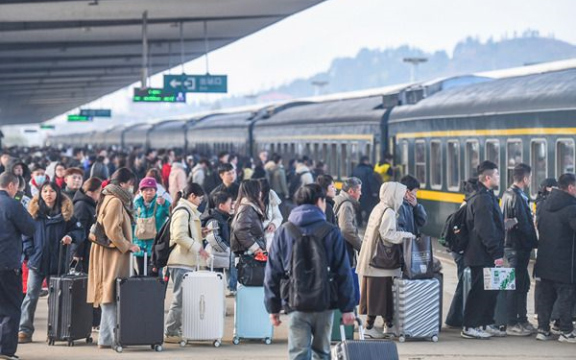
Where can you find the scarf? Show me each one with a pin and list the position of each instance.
(123, 195)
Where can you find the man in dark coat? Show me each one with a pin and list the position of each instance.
(228, 184)
(485, 249)
(14, 222)
(370, 187)
(521, 238)
(556, 263)
(411, 215)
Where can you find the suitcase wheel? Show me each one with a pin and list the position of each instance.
(267, 341)
(70, 343)
(217, 343)
(235, 340)
(50, 342)
(183, 343)
(435, 338)
(401, 338)
(89, 340)
(118, 349)
(158, 348)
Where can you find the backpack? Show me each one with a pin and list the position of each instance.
(161, 248)
(309, 282)
(455, 234)
(295, 182)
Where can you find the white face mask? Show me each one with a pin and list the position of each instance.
(131, 190)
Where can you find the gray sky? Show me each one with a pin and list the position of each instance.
(306, 43)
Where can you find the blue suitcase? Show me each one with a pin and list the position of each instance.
(251, 320)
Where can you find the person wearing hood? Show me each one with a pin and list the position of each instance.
(177, 178)
(376, 283)
(277, 176)
(55, 223)
(199, 172)
(303, 172)
(38, 178)
(485, 224)
(148, 207)
(73, 178)
(556, 262)
(248, 234)
(309, 331)
(411, 215)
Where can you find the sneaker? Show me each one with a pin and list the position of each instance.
(528, 326)
(9, 357)
(373, 333)
(43, 292)
(568, 338)
(172, 339)
(389, 330)
(475, 333)
(24, 338)
(544, 335)
(96, 329)
(517, 330)
(555, 330)
(495, 331)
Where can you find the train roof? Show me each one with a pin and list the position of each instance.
(533, 69)
(225, 120)
(355, 109)
(532, 93)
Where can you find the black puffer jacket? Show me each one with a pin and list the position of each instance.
(84, 211)
(486, 227)
(557, 246)
(247, 230)
(523, 235)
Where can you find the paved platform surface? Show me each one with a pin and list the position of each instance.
(450, 346)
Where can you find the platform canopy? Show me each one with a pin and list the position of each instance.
(56, 55)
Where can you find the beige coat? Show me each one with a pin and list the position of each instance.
(106, 265)
(177, 179)
(382, 227)
(186, 251)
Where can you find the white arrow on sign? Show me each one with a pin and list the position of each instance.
(189, 83)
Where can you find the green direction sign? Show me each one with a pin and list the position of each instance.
(197, 83)
(96, 112)
(158, 95)
(47, 127)
(79, 118)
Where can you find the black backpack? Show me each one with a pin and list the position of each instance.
(295, 182)
(161, 248)
(455, 235)
(310, 282)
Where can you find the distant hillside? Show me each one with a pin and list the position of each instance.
(380, 67)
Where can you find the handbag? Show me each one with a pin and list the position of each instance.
(387, 257)
(418, 258)
(98, 236)
(250, 271)
(146, 227)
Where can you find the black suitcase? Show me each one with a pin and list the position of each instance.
(69, 315)
(140, 311)
(363, 350)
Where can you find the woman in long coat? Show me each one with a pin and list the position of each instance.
(107, 264)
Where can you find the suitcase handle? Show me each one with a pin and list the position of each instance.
(360, 329)
(211, 262)
(132, 256)
(60, 255)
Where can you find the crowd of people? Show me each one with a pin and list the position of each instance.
(231, 207)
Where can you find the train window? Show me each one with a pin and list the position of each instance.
(472, 158)
(420, 161)
(513, 158)
(368, 152)
(453, 165)
(316, 156)
(539, 164)
(435, 164)
(492, 151)
(334, 161)
(353, 158)
(404, 156)
(564, 157)
(343, 171)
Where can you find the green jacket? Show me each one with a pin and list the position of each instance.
(143, 211)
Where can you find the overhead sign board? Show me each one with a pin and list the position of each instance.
(47, 127)
(197, 83)
(158, 95)
(96, 112)
(79, 118)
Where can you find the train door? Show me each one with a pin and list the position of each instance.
(539, 164)
(564, 156)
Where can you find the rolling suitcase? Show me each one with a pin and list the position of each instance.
(69, 315)
(416, 308)
(140, 310)
(203, 307)
(251, 320)
(363, 350)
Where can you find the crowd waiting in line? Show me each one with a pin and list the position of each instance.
(234, 206)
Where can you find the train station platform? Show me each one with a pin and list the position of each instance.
(450, 345)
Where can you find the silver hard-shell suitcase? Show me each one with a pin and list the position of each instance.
(203, 307)
(416, 309)
(363, 350)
